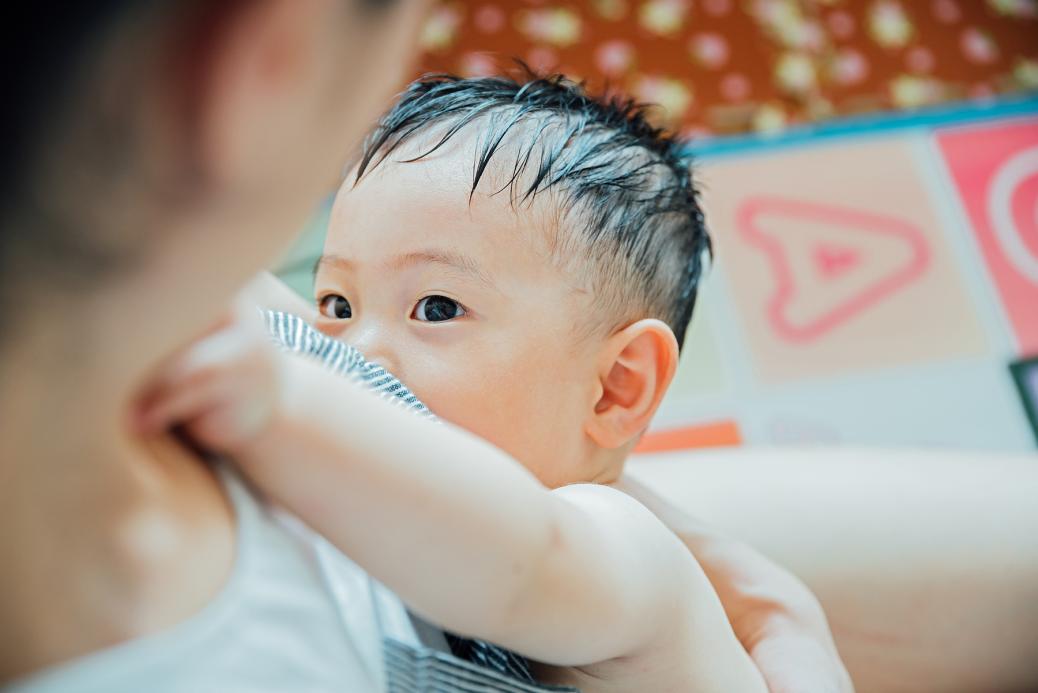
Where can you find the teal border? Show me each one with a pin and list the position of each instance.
(947, 115)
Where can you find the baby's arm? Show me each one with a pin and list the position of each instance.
(469, 538)
(466, 535)
(271, 293)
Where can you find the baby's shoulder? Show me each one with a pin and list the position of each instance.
(602, 503)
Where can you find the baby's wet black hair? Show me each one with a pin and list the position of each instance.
(629, 210)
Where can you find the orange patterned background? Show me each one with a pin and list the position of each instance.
(732, 66)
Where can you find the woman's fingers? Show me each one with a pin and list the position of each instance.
(793, 662)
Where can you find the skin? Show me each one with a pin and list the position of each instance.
(937, 591)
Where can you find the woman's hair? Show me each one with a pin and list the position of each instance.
(59, 141)
(44, 48)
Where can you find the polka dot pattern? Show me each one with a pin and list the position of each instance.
(730, 66)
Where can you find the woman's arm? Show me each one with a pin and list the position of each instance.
(775, 616)
(926, 562)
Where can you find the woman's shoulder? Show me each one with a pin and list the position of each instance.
(279, 603)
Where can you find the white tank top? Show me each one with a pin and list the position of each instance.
(295, 615)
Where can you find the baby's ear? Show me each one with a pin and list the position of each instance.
(637, 365)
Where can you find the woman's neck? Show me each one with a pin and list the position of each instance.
(119, 536)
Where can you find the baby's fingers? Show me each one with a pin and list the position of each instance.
(196, 365)
(177, 404)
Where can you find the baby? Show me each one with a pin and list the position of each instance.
(525, 258)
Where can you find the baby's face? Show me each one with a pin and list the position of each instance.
(462, 303)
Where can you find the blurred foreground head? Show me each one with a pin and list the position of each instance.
(158, 152)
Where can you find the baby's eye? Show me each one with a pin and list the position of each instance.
(336, 307)
(437, 309)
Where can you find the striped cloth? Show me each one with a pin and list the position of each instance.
(296, 335)
(474, 666)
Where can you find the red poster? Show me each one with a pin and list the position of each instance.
(995, 169)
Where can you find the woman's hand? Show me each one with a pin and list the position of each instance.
(775, 617)
(221, 390)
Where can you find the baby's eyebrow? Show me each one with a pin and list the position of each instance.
(332, 261)
(455, 261)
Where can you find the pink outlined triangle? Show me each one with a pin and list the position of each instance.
(833, 260)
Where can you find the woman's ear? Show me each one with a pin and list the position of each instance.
(638, 364)
(249, 72)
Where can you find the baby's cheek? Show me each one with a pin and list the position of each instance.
(509, 397)
(464, 399)
(497, 408)
(529, 418)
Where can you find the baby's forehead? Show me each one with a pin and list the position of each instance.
(426, 175)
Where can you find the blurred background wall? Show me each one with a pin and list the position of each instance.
(728, 66)
(870, 173)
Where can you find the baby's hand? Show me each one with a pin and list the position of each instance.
(222, 389)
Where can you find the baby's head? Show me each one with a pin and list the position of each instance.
(525, 258)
